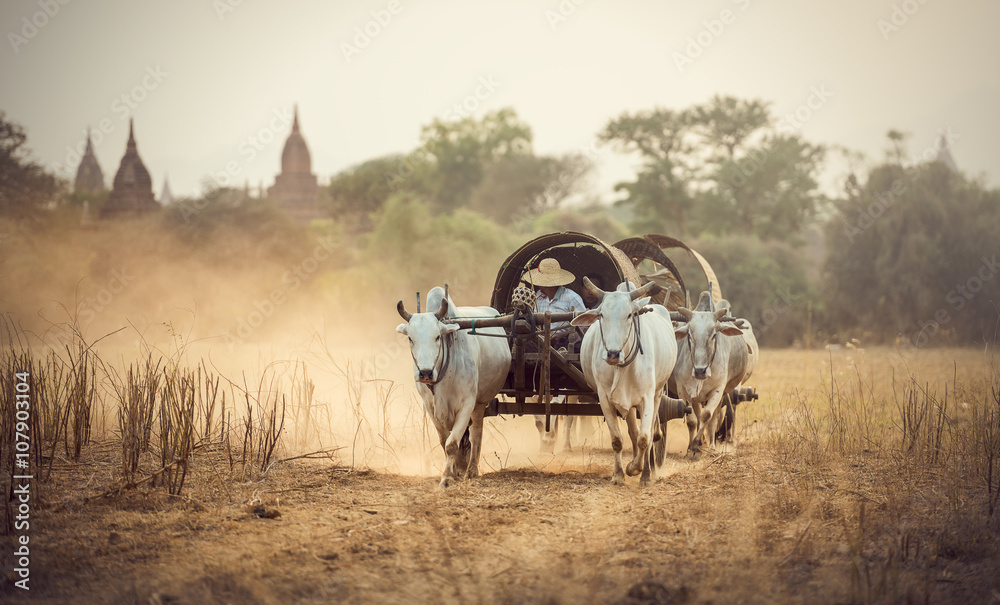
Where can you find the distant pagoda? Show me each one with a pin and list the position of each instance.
(944, 154)
(166, 197)
(295, 189)
(132, 192)
(89, 176)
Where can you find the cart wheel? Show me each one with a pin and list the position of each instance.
(728, 426)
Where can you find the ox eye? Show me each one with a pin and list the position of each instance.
(438, 338)
(411, 341)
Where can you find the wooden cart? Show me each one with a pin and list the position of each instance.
(539, 371)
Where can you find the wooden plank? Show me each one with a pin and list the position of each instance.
(519, 368)
(575, 374)
(504, 320)
(547, 369)
(497, 408)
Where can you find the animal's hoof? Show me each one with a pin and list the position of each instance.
(633, 469)
(446, 482)
(473, 472)
(618, 480)
(645, 482)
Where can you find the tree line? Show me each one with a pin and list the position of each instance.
(906, 253)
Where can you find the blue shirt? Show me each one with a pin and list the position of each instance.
(564, 301)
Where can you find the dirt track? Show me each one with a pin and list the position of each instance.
(720, 529)
(768, 521)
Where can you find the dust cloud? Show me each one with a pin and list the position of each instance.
(302, 322)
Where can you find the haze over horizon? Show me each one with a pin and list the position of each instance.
(211, 85)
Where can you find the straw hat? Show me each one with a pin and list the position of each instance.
(548, 274)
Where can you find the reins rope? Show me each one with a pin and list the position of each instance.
(634, 327)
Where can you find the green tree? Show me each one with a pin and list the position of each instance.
(360, 191)
(26, 189)
(230, 227)
(726, 123)
(769, 190)
(413, 248)
(766, 282)
(660, 196)
(911, 255)
(523, 186)
(718, 167)
(462, 149)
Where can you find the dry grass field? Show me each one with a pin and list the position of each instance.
(858, 477)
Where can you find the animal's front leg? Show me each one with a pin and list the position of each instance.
(568, 422)
(705, 417)
(646, 439)
(611, 417)
(448, 473)
(476, 435)
(635, 465)
(691, 419)
(454, 440)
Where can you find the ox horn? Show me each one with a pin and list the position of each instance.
(686, 313)
(593, 289)
(443, 311)
(643, 291)
(406, 315)
(711, 298)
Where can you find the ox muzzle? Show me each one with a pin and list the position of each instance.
(425, 376)
(701, 373)
(613, 358)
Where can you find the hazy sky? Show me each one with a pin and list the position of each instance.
(201, 77)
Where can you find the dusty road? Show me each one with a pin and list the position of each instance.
(774, 519)
(732, 528)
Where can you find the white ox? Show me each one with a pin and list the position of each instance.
(713, 359)
(457, 374)
(753, 354)
(627, 357)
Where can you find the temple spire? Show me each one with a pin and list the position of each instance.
(132, 192)
(944, 154)
(131, 135)
(295, 189)
(89, 177)
(166, 196)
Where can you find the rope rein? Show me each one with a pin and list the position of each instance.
(634, 328)
(444, 352)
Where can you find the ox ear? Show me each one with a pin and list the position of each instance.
(448, 328)
(642, 302)
(586, 318)
(681, 331)
(729, 330)
(402, 328)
